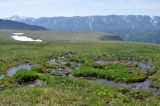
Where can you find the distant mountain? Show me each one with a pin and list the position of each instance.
(148, 37)
(17, 18)
(111, 23)
(6, 24)
(129, 27)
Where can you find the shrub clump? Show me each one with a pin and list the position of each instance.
(24, 76)
(117, 72)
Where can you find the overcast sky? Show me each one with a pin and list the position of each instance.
(51, 8)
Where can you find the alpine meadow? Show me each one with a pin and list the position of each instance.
(80, 56)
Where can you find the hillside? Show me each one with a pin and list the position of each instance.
(61, 35)
(6, 24)
(77, 73)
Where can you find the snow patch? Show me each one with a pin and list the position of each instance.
(89, 23)
(153, 20)
(152, 17)
(19, 37)
(125, 17)
(105, 20)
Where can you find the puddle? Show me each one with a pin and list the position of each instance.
(55, 61)
(140, 65)
(67, 68)
(14, 69)
(146, 85)
(62, 64)
(144, 66)
(109, 83)
(52, 61)
(19, 37)
(60, 71)
(105, 62)
(137, 85)
(63, 67)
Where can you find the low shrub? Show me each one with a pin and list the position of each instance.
(117, 72)
(24, 76)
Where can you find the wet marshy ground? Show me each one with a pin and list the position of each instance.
(63, 64)
(14, 69)
(135, 65)
(145, 85)
(141, 65)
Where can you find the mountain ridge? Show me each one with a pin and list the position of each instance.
(137, 28)
(109, 23)
(12, 25)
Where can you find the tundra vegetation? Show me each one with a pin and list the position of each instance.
(66, 69)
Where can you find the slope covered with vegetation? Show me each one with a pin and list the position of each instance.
(65, 71)
(12, 25)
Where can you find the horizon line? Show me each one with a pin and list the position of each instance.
(82, 16)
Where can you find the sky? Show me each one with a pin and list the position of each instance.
(52, 8)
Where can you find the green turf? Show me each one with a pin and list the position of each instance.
(117, 72)
(61, 90)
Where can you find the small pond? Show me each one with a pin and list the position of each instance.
(14, 69)
(141, 65)
(67, 66)
(145, 85)
(144, 66)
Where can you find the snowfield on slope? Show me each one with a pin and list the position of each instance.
(19, 37)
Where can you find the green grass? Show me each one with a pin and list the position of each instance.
(70, 91)
(23, 76)
(61, 90)
(56, 35)
(117, 72)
